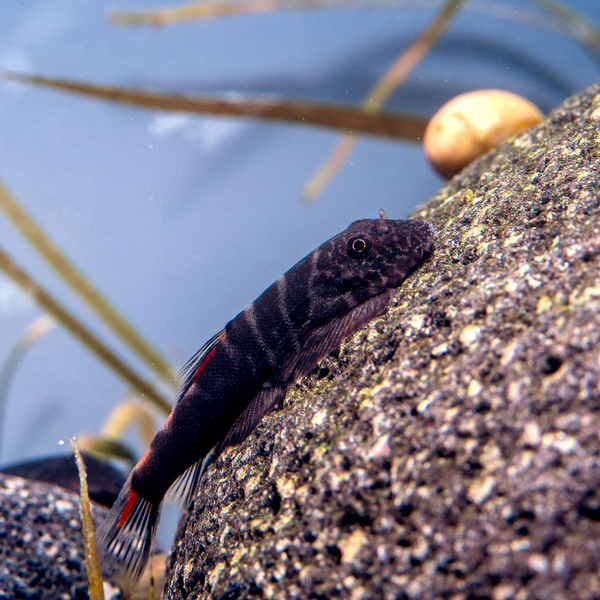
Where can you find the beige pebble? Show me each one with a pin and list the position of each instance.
(473, 123)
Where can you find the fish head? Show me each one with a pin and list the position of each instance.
(370, 256)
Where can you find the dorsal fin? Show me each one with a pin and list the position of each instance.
(192, 368)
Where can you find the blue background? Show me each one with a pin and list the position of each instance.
(182, 220)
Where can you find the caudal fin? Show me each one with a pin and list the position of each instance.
(126, 535)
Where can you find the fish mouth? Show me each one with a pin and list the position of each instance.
(429, 250)
(430, 241)
(426, 235)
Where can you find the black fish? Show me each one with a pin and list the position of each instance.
(104, 481)
(242, 372)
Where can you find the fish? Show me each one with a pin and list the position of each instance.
(104, 481)
(240, 374)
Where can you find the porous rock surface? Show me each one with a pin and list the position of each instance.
(451, 449)
(41, 547)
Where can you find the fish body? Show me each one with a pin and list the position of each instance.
(243, 371)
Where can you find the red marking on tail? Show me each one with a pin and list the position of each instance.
(203, 363)
(133, 497)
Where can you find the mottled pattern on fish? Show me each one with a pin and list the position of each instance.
(241, 373)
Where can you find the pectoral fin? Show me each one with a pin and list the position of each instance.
(183, 491)
(318, 342)
(262, 404)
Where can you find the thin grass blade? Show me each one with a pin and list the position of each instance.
(82, 286)
(108, 448)
(575, 24)
(130, 412)
(80, 331)
(394, 125)
(563, 18)
(35, 330)
(197, 11)
(189, 12)
(395, 75)
(95, 589)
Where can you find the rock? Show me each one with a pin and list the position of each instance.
(41, 548)
(451, 449)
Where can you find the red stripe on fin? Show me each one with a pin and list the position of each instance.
(192, 368)
(203, 363)
(133, 496)
(126, 536)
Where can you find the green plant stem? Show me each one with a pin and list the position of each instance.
(92, 566)
(80, 331)
(82, 286)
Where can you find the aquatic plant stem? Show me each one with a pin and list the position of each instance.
(575, 24)
(336, 116)
(80, 331)
(83, 287)
(129, 412)
(395, 75)
(197, 11)
(34, 331)
(560, 16)
(95, 588)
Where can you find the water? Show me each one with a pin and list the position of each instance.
(181, 220)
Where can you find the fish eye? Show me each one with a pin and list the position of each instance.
(358, 247)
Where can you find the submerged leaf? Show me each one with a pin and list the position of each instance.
(395, 75)
(79, 283)
(95, 589)
(337, 116)
(80, 331)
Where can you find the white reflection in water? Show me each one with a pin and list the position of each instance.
(209, 133)
(12, 299)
